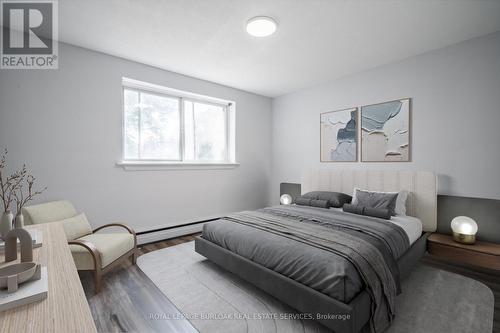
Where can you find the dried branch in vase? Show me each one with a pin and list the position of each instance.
(11, 187)
(3, 183)
(9, 184)
(22, 198)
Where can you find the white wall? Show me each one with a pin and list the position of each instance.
(456, 117)
(66, 125)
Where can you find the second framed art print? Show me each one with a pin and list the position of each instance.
(385, 131)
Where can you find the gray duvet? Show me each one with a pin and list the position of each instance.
(336, 253)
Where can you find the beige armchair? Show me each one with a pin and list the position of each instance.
(92, 251)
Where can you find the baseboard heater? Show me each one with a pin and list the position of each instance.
(156, 235)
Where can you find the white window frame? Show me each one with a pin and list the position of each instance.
(181, 96)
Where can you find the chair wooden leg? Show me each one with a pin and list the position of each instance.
(97, 281)
(134, 257)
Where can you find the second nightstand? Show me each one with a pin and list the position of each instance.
(482, 254)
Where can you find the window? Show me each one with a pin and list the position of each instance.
(167, 126)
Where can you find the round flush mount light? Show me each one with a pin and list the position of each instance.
(261, 26)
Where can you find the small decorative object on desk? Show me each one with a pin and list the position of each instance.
(14, 276)
(464, 230)
(12, 189)
(6, 223)
(286, 199)
(19, 221)
(31, 291)
(36, 237)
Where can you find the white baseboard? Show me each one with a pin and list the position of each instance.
(169, 233)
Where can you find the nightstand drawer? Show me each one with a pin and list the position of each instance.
(464, 254)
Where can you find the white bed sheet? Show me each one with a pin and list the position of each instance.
(411, 225)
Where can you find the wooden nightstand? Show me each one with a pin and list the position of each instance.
(482, 254)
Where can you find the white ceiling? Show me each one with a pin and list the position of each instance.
(316, 40)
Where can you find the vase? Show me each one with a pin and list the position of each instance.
(6, 223)
(19, 222)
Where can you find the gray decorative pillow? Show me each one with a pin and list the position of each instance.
(335, 199)
(312, 202)
(400, 201)
(382, 213)
(377, 200)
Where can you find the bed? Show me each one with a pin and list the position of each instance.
(312, 267)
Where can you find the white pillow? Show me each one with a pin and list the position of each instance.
(400, 208)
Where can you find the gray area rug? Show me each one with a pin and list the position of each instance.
(213, 300)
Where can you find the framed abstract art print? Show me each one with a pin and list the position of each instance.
(338, 136)
(385, 131)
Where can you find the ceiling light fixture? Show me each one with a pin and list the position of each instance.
(261, 26)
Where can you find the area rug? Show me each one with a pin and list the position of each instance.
(213, 300)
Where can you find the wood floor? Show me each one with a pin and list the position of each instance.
(128, 298)
(130, 302)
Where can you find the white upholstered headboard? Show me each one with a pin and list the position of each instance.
(422, 185)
